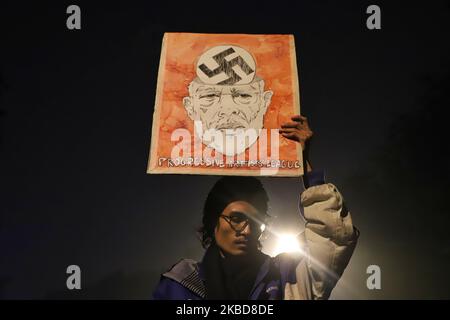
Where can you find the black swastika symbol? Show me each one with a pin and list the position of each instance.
(227, 67)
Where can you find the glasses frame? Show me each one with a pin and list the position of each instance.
(247, 222)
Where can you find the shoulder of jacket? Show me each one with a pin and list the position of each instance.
(287, 258)
(186, 273)
(181, 269)
(286, 264)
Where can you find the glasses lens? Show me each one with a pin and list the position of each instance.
(244, 98)
(239, 221)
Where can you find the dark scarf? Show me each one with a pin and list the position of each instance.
(231, 277)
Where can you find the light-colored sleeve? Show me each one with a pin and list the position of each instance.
(328, 243)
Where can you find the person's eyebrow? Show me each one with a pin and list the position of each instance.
(237, 213)
(250, 89)
(203, 89)
(245, 213)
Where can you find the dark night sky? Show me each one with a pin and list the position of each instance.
(75, 119)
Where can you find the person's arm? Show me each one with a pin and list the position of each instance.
(328, 242)
(298, 130)
(329, 237)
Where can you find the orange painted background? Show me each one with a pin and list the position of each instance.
(272, 54)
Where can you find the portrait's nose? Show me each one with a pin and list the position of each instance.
(227, 106)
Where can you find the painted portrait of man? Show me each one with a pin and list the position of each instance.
(227, 99)
(220, 102)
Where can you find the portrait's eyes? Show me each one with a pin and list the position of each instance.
(210, 96)
(243, 97)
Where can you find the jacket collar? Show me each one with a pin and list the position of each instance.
(265, 267)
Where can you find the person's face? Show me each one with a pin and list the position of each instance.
(234, 217)
(222, 107)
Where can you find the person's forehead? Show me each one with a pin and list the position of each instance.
(255, 86)
(241, 206)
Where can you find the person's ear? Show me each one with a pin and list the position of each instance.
(216, 231)
(189, 106)
(267, 96)
(216, 228)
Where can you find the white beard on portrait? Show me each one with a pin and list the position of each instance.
(229, 142)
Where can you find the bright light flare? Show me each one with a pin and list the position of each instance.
(263, 227)
(286, 243)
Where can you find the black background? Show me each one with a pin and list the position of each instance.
(76, 110)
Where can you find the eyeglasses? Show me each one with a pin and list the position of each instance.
(238, 221)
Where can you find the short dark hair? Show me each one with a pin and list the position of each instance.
(226, 190)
